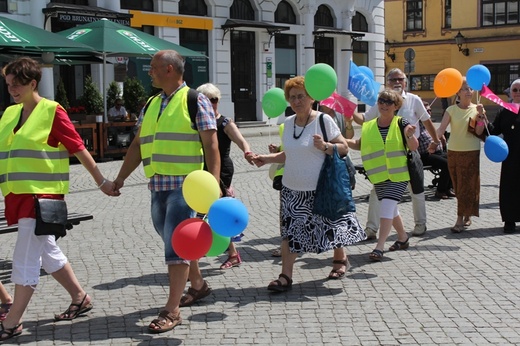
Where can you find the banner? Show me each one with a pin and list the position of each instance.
(487, 93)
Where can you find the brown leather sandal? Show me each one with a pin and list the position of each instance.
(8, 333)
(194, 295)
(74, 310)
(278, 286)
(166, 322)
(336, 274)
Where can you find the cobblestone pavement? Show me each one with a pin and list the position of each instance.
(446, 289)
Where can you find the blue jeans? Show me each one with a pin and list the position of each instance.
(168, 210)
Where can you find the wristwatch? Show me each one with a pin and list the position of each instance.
(326, 146)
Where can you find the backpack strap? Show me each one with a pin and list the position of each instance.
(192, 102)
(401, 127)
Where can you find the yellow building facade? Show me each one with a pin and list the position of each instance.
(453, 33)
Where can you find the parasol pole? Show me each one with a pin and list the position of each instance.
(105, 117)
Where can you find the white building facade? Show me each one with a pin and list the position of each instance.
(251, 45)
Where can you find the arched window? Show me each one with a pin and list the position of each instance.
(242, 9)
(323, 17)
(360, 48)
(284, 13)
(324, 46)
(193, 7)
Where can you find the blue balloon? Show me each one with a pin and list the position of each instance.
(228, 216)
(496, 149)
(366, 70)
(478, 76)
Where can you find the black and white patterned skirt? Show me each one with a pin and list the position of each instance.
(308, 232)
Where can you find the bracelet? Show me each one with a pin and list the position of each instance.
(326, 146)
(102, 183)
(409, 137)
(247, 153)
(480, 123)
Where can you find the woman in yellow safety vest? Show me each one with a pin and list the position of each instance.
(383, 153)
(36, 139)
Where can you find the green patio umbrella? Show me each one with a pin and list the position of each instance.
(112, 39)
(20, 38)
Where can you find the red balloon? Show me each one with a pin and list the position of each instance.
(192, 239)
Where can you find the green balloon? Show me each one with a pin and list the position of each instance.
(320, 81)
(273, 102)
(219, 245)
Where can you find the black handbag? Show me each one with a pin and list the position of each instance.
(415, 165)
(51, 217)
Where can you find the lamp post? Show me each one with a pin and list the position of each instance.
(387, 50)
(459, 40)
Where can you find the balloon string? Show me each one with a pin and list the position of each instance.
(478, 97)
(417, 122)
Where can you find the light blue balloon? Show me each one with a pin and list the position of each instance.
(366, 70)
(478, 76)
(228, 216)
(496, 149)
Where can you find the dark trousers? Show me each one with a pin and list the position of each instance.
(439, 160)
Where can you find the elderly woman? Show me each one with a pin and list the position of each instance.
(507, 123)
(227, 132)
(383, 151)
(464, 154)
(303, 153)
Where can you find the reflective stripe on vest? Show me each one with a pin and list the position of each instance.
(388, 163)
(169, 146)
(28, 164)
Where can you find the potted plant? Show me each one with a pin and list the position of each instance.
(113, 93)
(61, 95)
(91, 98)
(133, 95)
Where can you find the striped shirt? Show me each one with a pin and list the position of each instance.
(205, 120)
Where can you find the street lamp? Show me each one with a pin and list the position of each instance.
(387, 50)
(459, 40)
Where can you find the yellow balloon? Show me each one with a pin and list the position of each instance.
(200, 189)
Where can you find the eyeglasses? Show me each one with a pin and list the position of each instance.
(383, 101)
(515, 90)
(298, 97)
(393, 80)
(214, 100)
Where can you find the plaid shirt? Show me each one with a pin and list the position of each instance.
(424, 140)
(205, 120)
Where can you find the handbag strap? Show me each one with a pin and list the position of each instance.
(401, 127)
(323, 130)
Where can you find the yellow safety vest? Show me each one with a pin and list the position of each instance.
(27, 163)
(383, 160)
(169, 146)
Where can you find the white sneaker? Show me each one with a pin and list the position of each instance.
(371, 234)
(419, 230)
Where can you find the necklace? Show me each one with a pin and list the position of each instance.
(304, 126)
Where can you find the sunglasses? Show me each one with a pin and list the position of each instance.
(515, 90)
(214, 100)
(387, 102)
(396, 79)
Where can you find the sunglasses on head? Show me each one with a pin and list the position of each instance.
(214, 100)
(383, 101)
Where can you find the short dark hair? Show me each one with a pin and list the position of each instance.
(24, 70)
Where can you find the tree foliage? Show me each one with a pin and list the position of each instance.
(133, 94)
(91, 98)
(61, 95)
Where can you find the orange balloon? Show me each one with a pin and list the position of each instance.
(447, 82)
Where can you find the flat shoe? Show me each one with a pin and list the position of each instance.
(4, 309)
(457, 228)
(336, 274)
(276, 252)
(232, 261)
(441, 195)
(376, 255)
(8, 333)
(400, 245)
(278, 286)
(74, 310)
(166, 322)
(194, 295)
(467, 222)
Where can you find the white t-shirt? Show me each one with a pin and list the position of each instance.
(114, 113)
(302, 160)
(412, 110)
